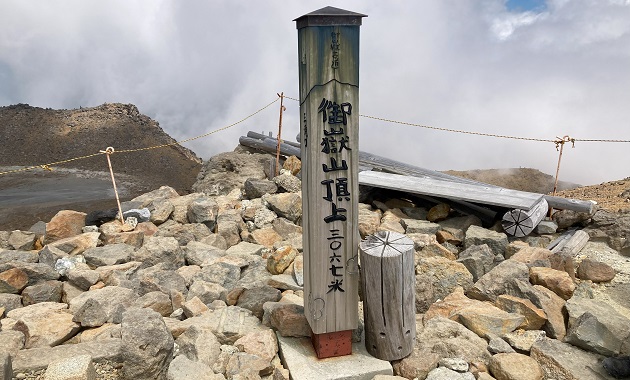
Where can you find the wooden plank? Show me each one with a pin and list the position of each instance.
(575, 243)
(471, 193)
(559, 243)
(388, 278)
(519, 223)
(368, 160)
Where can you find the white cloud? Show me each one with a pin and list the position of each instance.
(196, 66)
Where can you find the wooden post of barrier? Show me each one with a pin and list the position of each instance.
(328, 53)
(389, 285)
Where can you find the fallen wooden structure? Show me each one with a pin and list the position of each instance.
(522, 210)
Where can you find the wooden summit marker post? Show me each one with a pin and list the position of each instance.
(328, 54)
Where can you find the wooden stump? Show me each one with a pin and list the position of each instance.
(388, 278)
(519, 223)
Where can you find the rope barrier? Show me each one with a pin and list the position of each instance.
(108, 152)
(572, 140)
(48, 166)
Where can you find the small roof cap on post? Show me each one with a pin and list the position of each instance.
(329, 16)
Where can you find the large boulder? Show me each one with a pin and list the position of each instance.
(560, 360)
(100, 306)
(228, 171)
(147, 345)
(437, 277)
(65, 224)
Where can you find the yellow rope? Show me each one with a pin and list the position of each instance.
(48, 166)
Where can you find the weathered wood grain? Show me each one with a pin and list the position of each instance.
(446, 189)
(388, 278)
(519, 223)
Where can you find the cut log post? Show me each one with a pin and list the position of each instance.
(575, 244)
(519, 223)
(388, 278)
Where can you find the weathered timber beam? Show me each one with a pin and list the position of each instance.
(575, 244)
(385, 164)
(269, 145)
(519, 223)
(467, 192)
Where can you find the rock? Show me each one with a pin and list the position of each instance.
(158, 250)
(292, 164)
(13, 281)
(563, 361)
(441, 338)
(281, 259)
(443, 373)
(286, 205)
(132, 238)
(260, 343)
(369, 220)
(478, 259)
(161, 210)
(533, 256)
(156, 301)
(165, 281)
(289, 320)
(444, 236)
(246, 249)
(65, 224)
(83, 278)
(553, 306)
(164, 192)
(498, 280)
(288, 182)
(214, 240)
(35, 272)
(438, 212)
(68, 263)
(76, 368)
(147, 346)
(108, 255)
(100, 217)
(496, 241)
(244, 366)
(77, 244)
(230, 232)
(44, 324)
(535, 317)
(596, 326)
(497, 345)
(10, 302)
(97, 307)
(514, 247)
(199, 344)
(205, 291)
(194, 307)
(183, 368)
(253, 299)
(436, 249)
(487, 321)
(436, 277)
(557, 281)
(224, 274)
(6, 369)
(263, 217)
(457, 226)
(513, 366)
(298, 270)
(546, 227)
(266, 236)
(24, 256)
(522, 340)
(36, 359)
(618, 368)
(22, 240)
(455, 364)
(48, 291)
(419, 226)
(225, 172)
(11, 341)
(141, 214)
(230, 323)
(568, 218)
(595, 271)
(201, 254)
(203, 210)
(285, 228)
(391, 222)
(256, 188)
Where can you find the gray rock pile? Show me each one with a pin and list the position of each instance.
(199, 286)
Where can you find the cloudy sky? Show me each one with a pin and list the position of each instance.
(528, 68)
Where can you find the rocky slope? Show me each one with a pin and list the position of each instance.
(202, 283)
(34, 136)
